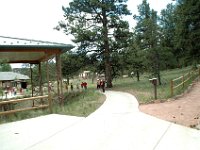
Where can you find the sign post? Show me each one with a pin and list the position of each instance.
(154, 82)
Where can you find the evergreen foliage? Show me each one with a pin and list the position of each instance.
(5, 67)
(157, 43)
(95, 25)
(188, 29)
(148, 34)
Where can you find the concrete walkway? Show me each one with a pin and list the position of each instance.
(116, 125)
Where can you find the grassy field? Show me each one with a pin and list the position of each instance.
(143, 90)
(77, 103)
(80, 103)
(84, 102)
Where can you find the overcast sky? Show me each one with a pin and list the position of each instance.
(35, 19)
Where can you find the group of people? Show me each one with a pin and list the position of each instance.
(101, 84)
(83, 86)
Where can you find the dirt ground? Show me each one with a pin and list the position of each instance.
(184, 110)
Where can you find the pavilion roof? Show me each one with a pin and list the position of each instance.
(18, 50)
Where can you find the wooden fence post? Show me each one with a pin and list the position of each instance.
(183, 80)
(171, 87)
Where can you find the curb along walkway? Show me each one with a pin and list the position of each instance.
(116, 125)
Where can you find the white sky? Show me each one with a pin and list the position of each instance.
(35, 19)
(157, 5)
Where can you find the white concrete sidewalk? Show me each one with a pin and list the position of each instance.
(116, 125)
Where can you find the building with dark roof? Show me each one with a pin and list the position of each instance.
(10, 79)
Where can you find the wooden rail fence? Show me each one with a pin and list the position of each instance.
(49, 105)
(181, 81)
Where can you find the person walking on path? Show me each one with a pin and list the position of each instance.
(82, 85)
(102, 84)
(85, 85)
(66, 87)
(98, 84)
(71, 86)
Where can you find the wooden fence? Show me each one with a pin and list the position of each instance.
(181, 81)
(49, 105)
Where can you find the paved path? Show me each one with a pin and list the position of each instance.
(116, 125)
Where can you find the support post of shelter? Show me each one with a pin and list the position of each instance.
(40, 80)
(49, 90)
(59, 78)
(31, 83)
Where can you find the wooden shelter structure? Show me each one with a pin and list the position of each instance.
(17, 50)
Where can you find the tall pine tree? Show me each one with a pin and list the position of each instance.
(147, 30)
(188, 29)
(171, 55)
(93, 22)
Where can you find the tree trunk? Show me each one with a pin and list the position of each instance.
(158, 68)
(108, 70)
(138, 75)
(67, 80)
(159, 78)
(108, 73)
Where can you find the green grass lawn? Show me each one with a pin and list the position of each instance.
(77, 103)
(143, 90)
(80, 103)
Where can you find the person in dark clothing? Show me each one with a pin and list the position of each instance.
(71, 86)
(82, 85)
(85, 85)
(98, 84)
(102, 84)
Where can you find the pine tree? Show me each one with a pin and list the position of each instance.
(93, 22)
(134, 57)
(171, 55)
(147, 31)
(188, 29)
(4, 66)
